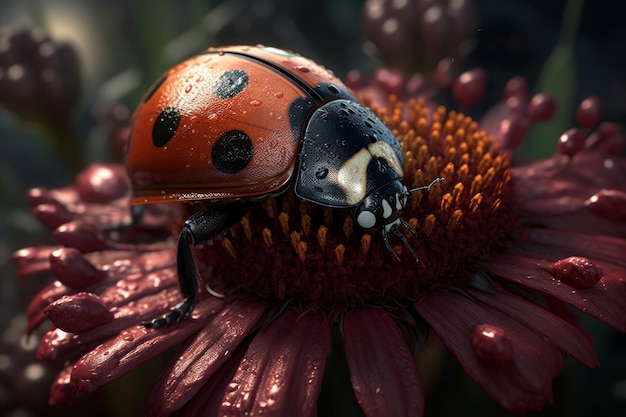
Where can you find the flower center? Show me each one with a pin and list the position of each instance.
(288, 249)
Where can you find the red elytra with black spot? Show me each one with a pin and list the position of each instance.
(225, 123)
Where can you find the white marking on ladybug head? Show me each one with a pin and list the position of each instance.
(352, 176)
(381, 149)
(400, 200)
(366, 219)
(387, 210)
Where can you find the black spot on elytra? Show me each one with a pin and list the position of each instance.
(230, 83)
(154, 87)
(232, 152)
(165, 126)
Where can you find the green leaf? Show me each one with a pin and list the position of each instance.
(558, 77)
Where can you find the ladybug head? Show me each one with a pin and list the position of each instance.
(382, 210)
(382, 207)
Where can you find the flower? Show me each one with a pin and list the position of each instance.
(501, 250)
(418, 34)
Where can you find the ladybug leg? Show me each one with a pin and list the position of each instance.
(201, 227)
(395, 230)
(385, 232)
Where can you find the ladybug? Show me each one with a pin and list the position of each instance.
(239, 123)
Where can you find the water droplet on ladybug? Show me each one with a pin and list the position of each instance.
(302, 68)
(333, 89)
(255, 102)
(321, 173)
(279, 94)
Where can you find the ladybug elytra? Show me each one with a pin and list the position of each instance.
(234, 124)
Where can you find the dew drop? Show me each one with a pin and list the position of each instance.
(302, 68)
(279, 94)
(255, 102)
(576, 271)
(321, 173)
(491, 344)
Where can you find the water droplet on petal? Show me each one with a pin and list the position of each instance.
(571, 142)
(608, 203)
(491, 344)
(576, 271)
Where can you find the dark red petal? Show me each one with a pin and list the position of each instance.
(608, 203)
(61, 394)
(59, 346)
(78, 312)
(73, 269)
(443, 76)
(567, 337)
(606, 300)
(101, 183)
(281, 373)
(52, 215)
(207, 402)
(135, 265)
(512, 131)
(48, 294)
(202, 357)
(132, 288)
(135, 345)
(516, 87)
(525, 382)
(78, 235)
(33, 261)
(382, 369)
(608, 138)
(557, 244)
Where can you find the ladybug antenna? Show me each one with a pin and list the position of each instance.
(425, 187)
(394, 228)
